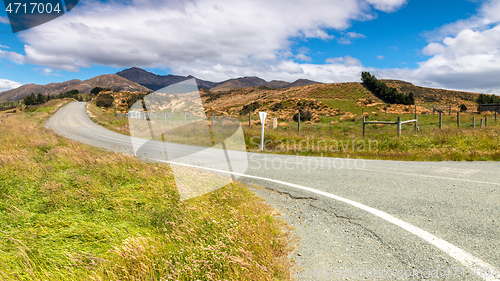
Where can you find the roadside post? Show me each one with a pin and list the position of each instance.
(364, 126)
(440, 120)
(298, 120)
(262, 116)
(399, 126)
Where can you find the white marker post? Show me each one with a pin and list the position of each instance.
(262, 121)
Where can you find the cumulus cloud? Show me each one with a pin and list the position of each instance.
(221, 39)
(11, 56)
(469, 56)
(6, 85)
(303, 57)
(349, 36)
(4, 20)
(190, 36)
(471, 60)
(387, 5)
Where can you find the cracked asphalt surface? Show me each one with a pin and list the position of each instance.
(456, 201)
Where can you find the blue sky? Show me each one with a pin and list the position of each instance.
(447, 44)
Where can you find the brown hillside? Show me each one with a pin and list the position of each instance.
(112, 81)
(431, 95)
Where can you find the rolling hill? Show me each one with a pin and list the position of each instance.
(431, 95)
(244, 82)
(156, 82)
(112, 81)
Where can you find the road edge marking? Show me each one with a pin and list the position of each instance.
(475, 265)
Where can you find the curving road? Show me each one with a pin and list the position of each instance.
(365, 219)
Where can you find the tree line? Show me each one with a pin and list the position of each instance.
(385, 93)
(73, 94)
(487, 99)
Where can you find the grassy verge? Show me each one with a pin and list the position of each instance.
(107, 118)
(74, 212)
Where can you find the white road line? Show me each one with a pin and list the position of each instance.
(476, 265)
(430, 176)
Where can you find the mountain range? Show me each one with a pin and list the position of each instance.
(112, 81)
(156, 82)
(137, 79)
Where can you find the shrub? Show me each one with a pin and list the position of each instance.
(277, 106)
(249, 107)
(104, 100)
(304, 116)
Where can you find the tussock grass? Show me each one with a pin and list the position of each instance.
(343, 138)
(340, 136)
(74, 212)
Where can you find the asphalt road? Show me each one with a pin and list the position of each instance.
(364, 219)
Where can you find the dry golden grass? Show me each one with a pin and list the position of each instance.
(348, 117)
(74, 212)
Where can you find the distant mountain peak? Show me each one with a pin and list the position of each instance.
(155, 82)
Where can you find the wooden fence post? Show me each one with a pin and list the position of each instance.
(363, 127)
(249, 118)
(440, 120)
(450, 110)
(416, 122)
(481, 123)
(298, 119)
(458, 120)
(399, 126)
(473, 121)
(331, 127)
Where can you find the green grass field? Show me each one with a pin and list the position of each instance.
(336, 138)
(73, 212)
(345, 139)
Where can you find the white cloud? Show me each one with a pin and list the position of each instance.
(303, 57)
(347, 60)
(468, 57)
(387, 5)
(433, 48)
(4, 20)
(380, 57)
(220, 39)
(347, 39)
(355, 35)
(12, 56)
(6, 85)
(471, 60)
(190, 36)
(45, 71)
